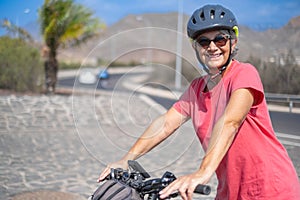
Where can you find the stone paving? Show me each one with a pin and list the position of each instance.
(54, 147)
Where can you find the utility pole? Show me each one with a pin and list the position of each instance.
(179, 46)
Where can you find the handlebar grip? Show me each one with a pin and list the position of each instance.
(203, 189)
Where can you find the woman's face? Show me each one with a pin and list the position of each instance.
(214, 54)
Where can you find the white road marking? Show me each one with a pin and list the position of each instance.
(283, 136)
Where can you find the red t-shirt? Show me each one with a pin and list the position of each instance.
(256, 165)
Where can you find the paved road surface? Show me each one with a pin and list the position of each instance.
(60, 143)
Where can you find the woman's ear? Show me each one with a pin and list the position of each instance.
(234, 43)
(193, 43)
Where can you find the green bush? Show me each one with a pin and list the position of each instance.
(21, 68)
(279, 77)
(66, 65)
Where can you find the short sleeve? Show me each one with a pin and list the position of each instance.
(188, 98)
(183, 105)
(248, 77)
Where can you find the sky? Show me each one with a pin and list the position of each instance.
(256, 14)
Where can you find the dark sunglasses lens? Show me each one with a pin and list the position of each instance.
(220, 40)
(204, 42)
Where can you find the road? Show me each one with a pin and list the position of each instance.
(283, 122)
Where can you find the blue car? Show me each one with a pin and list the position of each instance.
(103, 74)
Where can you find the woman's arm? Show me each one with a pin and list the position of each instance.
(222, 137)
(158, 131)
(226, 128)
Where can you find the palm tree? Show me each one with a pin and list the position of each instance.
(13, 29)
(64, 24)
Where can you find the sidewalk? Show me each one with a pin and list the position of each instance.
(57, 145)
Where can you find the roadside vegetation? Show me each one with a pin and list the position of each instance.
(20, 66)
(280, 76)
(63, 23)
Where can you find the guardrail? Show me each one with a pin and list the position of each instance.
(284, 98)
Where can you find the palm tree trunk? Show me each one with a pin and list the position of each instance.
(51, 68)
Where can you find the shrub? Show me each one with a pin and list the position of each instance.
(67, 65)
(20, 66)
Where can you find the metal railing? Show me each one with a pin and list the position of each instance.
(291, 100)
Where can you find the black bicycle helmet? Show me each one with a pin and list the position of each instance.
(210, 17)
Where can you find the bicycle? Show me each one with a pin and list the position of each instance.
(136, 179)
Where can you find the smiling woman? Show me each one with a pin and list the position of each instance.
(231, 119)
(229, 113)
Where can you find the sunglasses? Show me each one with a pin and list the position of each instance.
(219, 40)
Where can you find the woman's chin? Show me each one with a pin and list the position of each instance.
(214, 65)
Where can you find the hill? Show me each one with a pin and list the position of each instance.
(129, 41)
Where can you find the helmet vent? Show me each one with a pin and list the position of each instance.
(212, 14)
(222, 15)
(194, 20)
(202, 17)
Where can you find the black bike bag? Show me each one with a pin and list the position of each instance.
(115, 190)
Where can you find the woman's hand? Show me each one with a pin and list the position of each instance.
(185, 185)
(120, 164)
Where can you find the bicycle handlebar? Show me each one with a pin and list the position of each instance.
(203, 189)
(136, 179)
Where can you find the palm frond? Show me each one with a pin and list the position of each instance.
(64, 23)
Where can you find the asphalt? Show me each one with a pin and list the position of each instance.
(54, 147)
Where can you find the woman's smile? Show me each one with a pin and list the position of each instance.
(214, 56)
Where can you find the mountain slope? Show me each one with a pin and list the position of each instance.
(129, 40)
